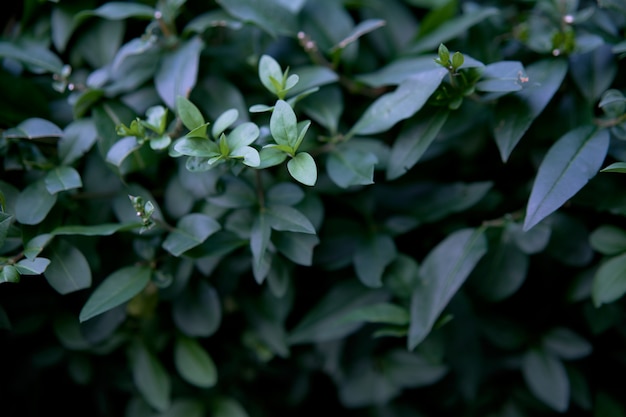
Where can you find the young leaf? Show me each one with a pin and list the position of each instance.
(400, 104)
(283, 124)
(194, 363)
(609, 281)
(303, 169)
(547, 379)
(116, 289)
(224, 121)
(189, 114)
(442, 273)
(568, 165)
(69, 270)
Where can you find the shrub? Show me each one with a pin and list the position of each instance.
(260, 208)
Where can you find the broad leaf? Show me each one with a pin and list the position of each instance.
(197, 312)
(593, 72)
(104, 229)
(150, 377)
(516, 112)
(116, 289)
(69, 270)
(609, 281)
(297, 247)
(303, 169)
(34, 128)
(547, 379)
(288, 219)
(400, 104)
(178, 71)
(78, 138)
(34, 203)
(33, 55)
(347, 167)
(191, 231)
(36, 266)
(194, 363)
(568, 165)
(372, 255)
(62, 178)
(442, 273)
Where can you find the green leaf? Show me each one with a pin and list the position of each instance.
(303, 169)
(363, 28)
(69, 270)
(372, 255)
(288, 219)
(224, 121)
(178, 72)
(36, 266)
(191, 231)
(593, 72)
(386, 313)
(228, 407)
(150, 377)
(283, 124)
(62, 178)
(615, 167)
(260, 234)
(275, 17)
(199, 147)
(502, 77)
(34, 203)
(35, 56)
(194, 363)
(347, 167)
(546, 378)
(413, 141)
(608, 240)
(242, 135)
(116, 289)
(5, 222)
(122, 150)
(270, 72)
(609, 281)
(323, 322)
(566, 344)
(9, 273)
(285, 193)
(104, 229)
(297, 247)
(451, 29)
(325, 107)
(400, 104)
(190, 115)
(516, 112)
(197, 312)
(399, 70)
(568, 165)
(442, 273)
(34, 128)
(78, 138)
(119, 11)
(36, 245)
(312, 76)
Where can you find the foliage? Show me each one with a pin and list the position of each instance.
(259, 208)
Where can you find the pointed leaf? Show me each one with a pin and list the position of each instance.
(178, 72)
(372, 256)
(288, 219)
(547, 379)
(442, 273)
(400, 104)
(260, 234)
(224, 121)
(347, 167)
(150, 377)
(609, 281)
(69, 270)
(303, 169)
(297, 247)
(283, 124)
(189, 114)
(104, 229)
(191, 231)
(566, 344)
(194, 363)
(515, 113)
(615, 167)
(116, 289)
(569, 164)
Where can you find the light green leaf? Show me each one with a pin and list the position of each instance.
(194, 363)
(249, 155)
(442, 273)
(386, 313)
(69, 270)
(609, 281)
(62, 178)
(547, 379)
(34, 203)
(197, 312)
(224, 121)
(283, 124)
(36, 266)
(9, 273)
(178, 72)
(242, 135)
(615, 167)
(191, 231)
(516, 112)
(413, 141)
(150, 377)
(372, 255)
(400, 104)
(347, 167)
(116, 289)
(190, 115)
(568, 165)
(303, 169)
(288, 219)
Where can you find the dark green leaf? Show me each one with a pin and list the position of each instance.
(569, 164)
(150, 377)
(33, 55)
(228, 407)
(69, 270)
(400, 104)
(5, 221)
(275, 17)
(104, 229)
(312, 76)
(372, 255)
(502, 77)
(116, 289)
(34, 203)
(198, 311)
(119, 11)
(288, 219)
(546, 378)
(593, 72)
(297, 247)
(34, 128)
(260, 234)
(36, 266)
(608, 240)
(609, 282)
(189, 114)
(62, 178)
(178, 71)
(442, 273)
(78, 138)
(191, 231)
(194, 363)
(347, 167)
(566, 344)
(379, 313)
(36, 245)
(515, 113)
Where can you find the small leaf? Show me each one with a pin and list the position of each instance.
(121, 150)
(150, 377)
(283, 124)
(62, 178)
(568, 165)
(78, 138)
(116, 289)
(193, 363)
(9, 273)
(191, 231)
(189, 114)
(546, 378)
(34, 203)
(69, 270)
(36, 266)
(242, 135)
(303, 169)
(609, 281)
(442, 273)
